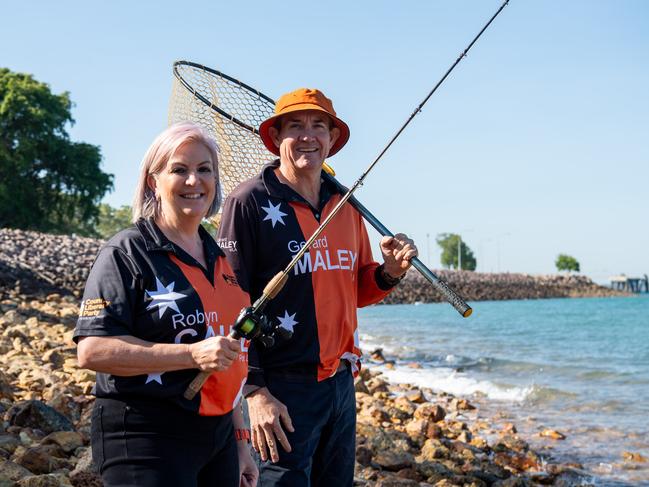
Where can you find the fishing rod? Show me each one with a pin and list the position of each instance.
(248, 322)
(278, 281)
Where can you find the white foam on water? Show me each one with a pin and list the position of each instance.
(453, 382)
(370, 343)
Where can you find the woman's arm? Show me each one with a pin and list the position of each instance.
(247, 467)
(127, 355)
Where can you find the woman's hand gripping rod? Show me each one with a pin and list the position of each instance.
(251, 325)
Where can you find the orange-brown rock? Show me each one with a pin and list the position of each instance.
(433, 450)
(555, 435)
(67, 440)
(416, 429)
(393, 460)
(459, 404)
(479, 442)
(633, 457)
(416, 396)
(40, 459)
(376, 384)
(431, 412)
(405, 405)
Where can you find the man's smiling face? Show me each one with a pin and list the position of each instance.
(304, 139)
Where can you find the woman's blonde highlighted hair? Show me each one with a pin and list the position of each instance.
(145, 204)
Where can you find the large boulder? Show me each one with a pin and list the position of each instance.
(12, 471)
(42, 459)
(36, 414)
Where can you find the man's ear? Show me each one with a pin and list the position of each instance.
(334, 133)
(274, 136)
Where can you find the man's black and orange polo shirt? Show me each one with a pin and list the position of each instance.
(264, 225)
(144, 285)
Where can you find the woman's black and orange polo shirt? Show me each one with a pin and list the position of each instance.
(144, 285)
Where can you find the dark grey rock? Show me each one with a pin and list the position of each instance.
(38, 415)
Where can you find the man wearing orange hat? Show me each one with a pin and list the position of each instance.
(301, 392)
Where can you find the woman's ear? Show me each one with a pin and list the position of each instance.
(152, 183)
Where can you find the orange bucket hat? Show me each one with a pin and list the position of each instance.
(303, 99)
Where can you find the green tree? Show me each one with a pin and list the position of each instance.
(47, 182)
(449, 245)
(212, 224)
(112, 220)
(566, 263)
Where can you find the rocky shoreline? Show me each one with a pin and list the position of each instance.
(37, 263)
(406, 436)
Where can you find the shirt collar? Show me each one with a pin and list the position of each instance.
(155, 240)
(283, 191)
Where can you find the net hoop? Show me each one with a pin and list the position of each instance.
(207, 102)
(230, 111)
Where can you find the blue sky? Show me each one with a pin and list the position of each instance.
(536, 145)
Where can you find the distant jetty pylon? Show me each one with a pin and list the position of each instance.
(630, 284)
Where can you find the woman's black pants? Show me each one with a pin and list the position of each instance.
(155, 444)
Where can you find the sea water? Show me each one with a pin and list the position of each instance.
(578, 366)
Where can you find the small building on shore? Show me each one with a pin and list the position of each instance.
(630, 284)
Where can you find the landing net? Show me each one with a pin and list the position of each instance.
(230, 111)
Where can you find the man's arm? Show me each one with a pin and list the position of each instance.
(376, 281)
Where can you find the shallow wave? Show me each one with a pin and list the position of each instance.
(453, 382)
(548, 394)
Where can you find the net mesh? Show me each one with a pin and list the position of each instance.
(230, 111)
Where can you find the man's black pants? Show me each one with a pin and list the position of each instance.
(323, 444)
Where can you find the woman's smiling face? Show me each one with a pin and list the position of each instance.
(186, 186)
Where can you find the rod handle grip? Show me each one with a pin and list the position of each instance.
(275, 285)
(195, 386)
(449, 294)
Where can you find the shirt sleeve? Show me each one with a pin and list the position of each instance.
(237, 236)
(108, 304)
(370, 290)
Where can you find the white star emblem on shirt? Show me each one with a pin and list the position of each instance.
(164, 297)
(287, 322)
(155, 377)
(273, 213)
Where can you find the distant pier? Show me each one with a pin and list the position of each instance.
(630, 284)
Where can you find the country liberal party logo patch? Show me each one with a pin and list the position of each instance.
(91, 307)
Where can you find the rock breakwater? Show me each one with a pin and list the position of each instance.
(41, 263)
(480, 286)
